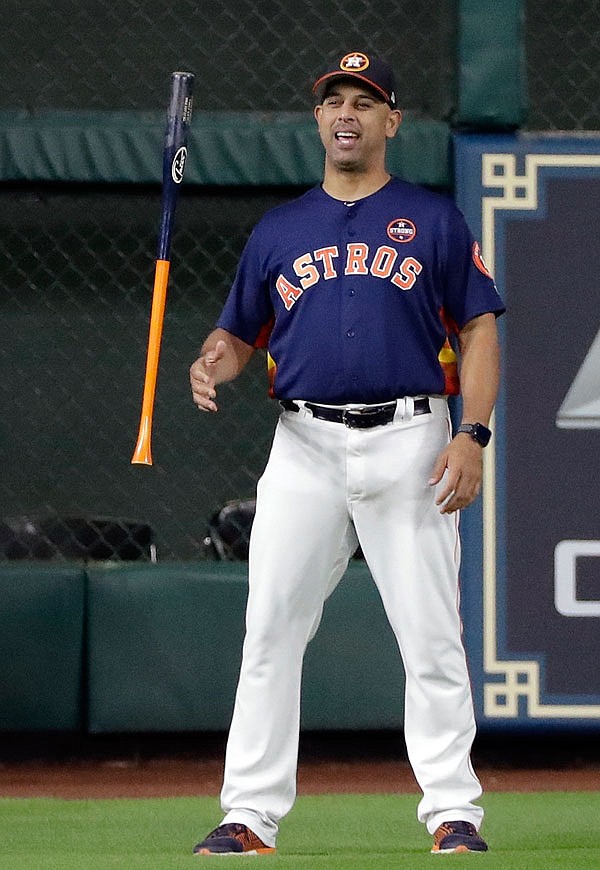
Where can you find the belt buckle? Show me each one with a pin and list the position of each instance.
(352, 416)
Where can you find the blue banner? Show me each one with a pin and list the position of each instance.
(532, 619)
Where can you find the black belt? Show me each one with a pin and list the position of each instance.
(357, 418)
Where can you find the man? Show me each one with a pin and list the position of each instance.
(358, 289)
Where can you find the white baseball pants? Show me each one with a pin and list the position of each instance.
(325, 488)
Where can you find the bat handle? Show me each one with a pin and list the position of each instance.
(142, 455)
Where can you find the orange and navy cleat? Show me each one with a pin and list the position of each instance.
(457, 837)
(232, 839)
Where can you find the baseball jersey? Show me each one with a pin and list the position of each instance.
(359, 302)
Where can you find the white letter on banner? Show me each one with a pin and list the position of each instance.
(565, 578)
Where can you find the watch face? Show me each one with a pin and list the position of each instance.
(481, 434)
(477, 431)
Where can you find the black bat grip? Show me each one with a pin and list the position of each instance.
(179, 116)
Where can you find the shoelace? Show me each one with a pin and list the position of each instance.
(465, 828)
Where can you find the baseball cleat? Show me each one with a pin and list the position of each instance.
(232, 839)
(457, 837)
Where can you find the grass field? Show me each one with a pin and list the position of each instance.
(525, 832)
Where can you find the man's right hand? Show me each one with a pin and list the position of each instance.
(204, 377)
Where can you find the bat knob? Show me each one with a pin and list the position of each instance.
(142, 455)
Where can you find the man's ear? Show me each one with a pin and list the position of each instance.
(394, 121)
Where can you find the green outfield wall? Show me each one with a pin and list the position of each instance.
(117, 649)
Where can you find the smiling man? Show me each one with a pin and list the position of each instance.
(374, 304)
(356, 117)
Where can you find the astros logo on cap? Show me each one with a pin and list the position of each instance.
(356, 61)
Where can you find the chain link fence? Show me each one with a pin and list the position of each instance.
(563, 64)
(260, 54)
(75, 308)
(78, 261)
(247, 55)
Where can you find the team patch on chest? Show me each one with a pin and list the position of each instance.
(358, 259)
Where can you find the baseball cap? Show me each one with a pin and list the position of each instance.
(371, 70)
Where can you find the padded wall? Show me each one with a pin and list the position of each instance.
(165, 647)
(42, 632)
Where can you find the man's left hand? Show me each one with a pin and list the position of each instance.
(460, 465)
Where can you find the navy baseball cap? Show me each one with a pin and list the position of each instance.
(358, 65)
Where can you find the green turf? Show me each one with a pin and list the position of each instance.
(525, 832)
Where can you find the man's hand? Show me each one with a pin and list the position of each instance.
(222, 358)
(462, 464)
(203, 377)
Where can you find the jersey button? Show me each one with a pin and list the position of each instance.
(351, 292)
(350, 333)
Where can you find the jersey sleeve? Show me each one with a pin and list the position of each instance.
(469, 287)
(248, 310)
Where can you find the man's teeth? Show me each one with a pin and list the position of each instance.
(345, 135)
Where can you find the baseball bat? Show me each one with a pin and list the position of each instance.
(179, 115)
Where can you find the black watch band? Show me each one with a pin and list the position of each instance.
(477, 431)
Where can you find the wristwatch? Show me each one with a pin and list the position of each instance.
(477, 431)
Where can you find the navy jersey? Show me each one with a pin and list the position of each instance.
(357, 302)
